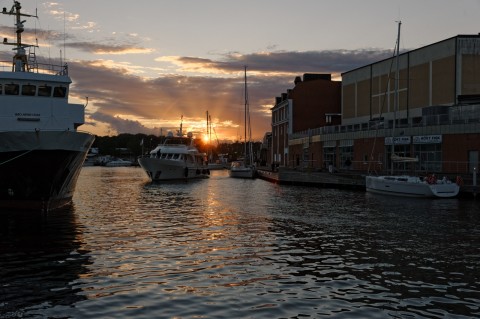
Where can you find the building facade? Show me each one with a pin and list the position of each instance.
(437, 120)
(313, 102)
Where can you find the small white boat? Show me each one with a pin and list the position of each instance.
(411, 186)
(176, 159)
(118, 162)
(403, 185)
(240, 170)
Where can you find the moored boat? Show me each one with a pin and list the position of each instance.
(240, 170)
(177, 158)
(41, 151)
(404, 185)
(245, 168)
(411, 186)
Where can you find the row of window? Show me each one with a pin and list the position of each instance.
(280, 114)
(33, 90)
(177, 157)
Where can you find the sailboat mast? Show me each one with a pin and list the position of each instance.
(395, 96)
(245, 111)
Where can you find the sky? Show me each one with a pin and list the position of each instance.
(144, 64)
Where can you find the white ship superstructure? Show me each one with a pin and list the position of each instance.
(41, 151)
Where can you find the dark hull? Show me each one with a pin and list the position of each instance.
(41, 179)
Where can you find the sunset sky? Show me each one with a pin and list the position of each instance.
(143, 64)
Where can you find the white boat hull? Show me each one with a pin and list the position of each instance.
(159, 169)
(242, 172)
(409, 186)
(119, 163)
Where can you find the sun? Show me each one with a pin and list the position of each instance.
(205, 139)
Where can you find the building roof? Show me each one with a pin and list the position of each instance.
(426, 46)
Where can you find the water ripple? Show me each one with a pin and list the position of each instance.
(223, 247)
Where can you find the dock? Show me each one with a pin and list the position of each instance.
(339, 180)
(314, 178)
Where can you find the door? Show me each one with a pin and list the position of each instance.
(472, 161)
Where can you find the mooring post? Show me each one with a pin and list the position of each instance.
(474, 182)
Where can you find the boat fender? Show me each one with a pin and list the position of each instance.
(198, 171)
(431, 179)
(459, 181)
(204, 171)
(185, 172)
(208, 172)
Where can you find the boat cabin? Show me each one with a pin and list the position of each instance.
(36, 101)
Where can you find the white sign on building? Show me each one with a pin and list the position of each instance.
(399, 140)
(427, 139)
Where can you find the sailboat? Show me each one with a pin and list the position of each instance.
(405, 185)
(245, 168)
(218, 164)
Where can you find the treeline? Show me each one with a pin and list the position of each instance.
(132, 145)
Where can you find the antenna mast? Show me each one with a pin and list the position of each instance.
(20, 63)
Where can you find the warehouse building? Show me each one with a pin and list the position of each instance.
(437, 121)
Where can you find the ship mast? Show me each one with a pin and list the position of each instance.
(395, 99)
(20, 63)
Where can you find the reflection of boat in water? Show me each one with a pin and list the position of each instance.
(52, 256)
(42, 152)
(402, 185)
(177, 158)
(245, 168)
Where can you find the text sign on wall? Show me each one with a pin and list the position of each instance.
(427, 139)
(399, 140)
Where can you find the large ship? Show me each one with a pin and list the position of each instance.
(41, 151)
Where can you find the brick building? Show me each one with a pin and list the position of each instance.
(438, 120)
(313, 102)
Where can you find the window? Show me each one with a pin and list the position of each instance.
(329, 156)
(346, 156)
(28, 89)
(430, 157)
(402, 151)
(44, 90)
(12, 89)
(60, 91)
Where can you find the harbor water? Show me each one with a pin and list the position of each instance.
(233, 248)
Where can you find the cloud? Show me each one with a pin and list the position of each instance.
(118, 95)
(283, 62)
(117, 124)
(159, 102)
(126, 102)
(97, 48)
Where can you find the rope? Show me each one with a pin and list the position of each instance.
(9, 160)
(381, 112)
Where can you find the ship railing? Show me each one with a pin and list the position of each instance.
(41, 68)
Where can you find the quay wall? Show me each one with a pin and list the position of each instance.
(351, 180)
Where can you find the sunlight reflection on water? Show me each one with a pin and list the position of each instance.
(225, 247)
